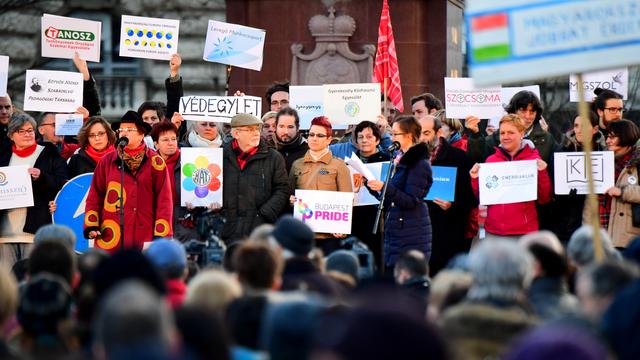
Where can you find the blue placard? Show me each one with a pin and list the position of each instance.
(70, 203)
(444, 183)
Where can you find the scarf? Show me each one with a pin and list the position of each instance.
(454, 137)
(24, 152)
(196, 140)
(97, 155)
(604, 201)
(133, 157)
(171, 162)
(241, 156)
(436, 150)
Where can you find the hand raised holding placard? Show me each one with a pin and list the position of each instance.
(174, 65)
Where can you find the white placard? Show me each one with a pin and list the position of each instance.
(200, 176)
(4, 74)
(570, 172)
(236, 45)
(324, 211)
(219, 108)
(148, 38)
(63, 36)
(362, 194)
(68, 124)
(307, 101)
(463, 98)
(508, 182)
(55, 91)
(15, 187)
(357, 164)
(613, 79)
(349, 104)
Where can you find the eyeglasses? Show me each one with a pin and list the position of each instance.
(614, 109)
(25, 132)
(127, 130)
(208, 124)
(250, 130)
(397, 134)
(319, 136)
(97, 135)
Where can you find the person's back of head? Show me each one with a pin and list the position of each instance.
(343, 262)
(580, 250)
(551, 264)
(213, 290)
(56, 233)
(126, 265)
(203, 334)
(257, 266)
(409, 265)
(52, 257)
(244, 320)
(45, 302)
(169, 257)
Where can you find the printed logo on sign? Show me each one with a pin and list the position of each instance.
(304, 209)
(150, 38)
(61, 34)
(222, 47)
(491, 182)
(352, 109)
(3, 179)
(201, 177)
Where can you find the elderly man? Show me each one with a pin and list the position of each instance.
(256, 184)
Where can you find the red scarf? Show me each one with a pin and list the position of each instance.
(171, 162)
(136, 150)
(241, 156)
(24, 152)
(67, 150)
(97, 155)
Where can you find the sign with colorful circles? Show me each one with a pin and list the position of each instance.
(148, 38)
(200, 176)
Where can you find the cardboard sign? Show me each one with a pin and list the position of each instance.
(15, 187)
(444, 183)
(307, 101)
(4, 74)
(63, 36)
(200, 176)
(68, 124)
(512, 40)
(55, 91)
(463, 98)
(350, 104)
(148, 38)
(236, 45)
(219, 108)
(324, 211)
(70, 202)
(508, 182)
(614, 79)
(570, 172)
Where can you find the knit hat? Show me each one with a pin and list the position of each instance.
(168, 256)
(343, 261)
(45, 300)
(293, 235)
(244, 120)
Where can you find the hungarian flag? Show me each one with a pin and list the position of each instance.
(386, 66)
(490, 37)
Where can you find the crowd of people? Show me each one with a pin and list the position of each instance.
(429, 283)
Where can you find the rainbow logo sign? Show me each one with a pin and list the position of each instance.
(201, 177)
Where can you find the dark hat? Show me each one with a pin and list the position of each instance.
(45, 300)
(244, 120)
(343, 261)
(557, 342)
(168, 255)
(294, 235)
(132, 117)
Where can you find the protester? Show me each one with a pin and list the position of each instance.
(46, 129)
(425, 104)
(277, 96)
(446, 289)
(258, 268)
(343, 266)
(453, 133)
(287, 137)
(170, 259)
(96, 139)
(8, 306)
(609, 107)
(411, 272)
(268, 126)
(6, 110)
(212, 290)
(202, 334)
(348, 144)
(580, 249)
(203, 134)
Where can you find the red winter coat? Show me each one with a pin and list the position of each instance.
(516, 218)
(148, 202)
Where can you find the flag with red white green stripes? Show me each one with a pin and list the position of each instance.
(490, 37)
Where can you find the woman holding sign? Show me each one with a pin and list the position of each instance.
(514, 219)
(407, 224)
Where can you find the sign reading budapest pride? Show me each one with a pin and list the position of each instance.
(70, 204)
(219, 108)
(613, 79)
(4, 74)
(463, 98)
(68, 124)
(236, 45)
(508, 182)
(515, 40)
(349, 104)
(63, 36)
(324, 211)
(55, 91)
(200, 176)
(15, 187)
(148, 38)
(570, 172)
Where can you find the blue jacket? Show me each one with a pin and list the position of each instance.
(344, 149)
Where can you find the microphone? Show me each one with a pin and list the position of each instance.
(394, 146)
(123, 141)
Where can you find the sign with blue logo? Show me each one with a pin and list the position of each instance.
(70, 203)
(444, 183)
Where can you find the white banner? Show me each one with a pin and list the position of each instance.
(148, 38)
(68, 124)
(236, 45)
(63, 36)
(200, 176)
(4, 74)
(219, 108)
(613, 79)
(55, 91)
(324, 211)
(570, 172)
(349, 104)
(508, 182)
(307, 101)
(463, 98)
(15, 187)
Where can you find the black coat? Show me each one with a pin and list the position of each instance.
(448, 227)
(81, 163)
(90, 97)
(53, 174)
(174, 93)
(255, 195)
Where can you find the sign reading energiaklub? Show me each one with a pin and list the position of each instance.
(62, 37)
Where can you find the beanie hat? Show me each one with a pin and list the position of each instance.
(293, 235)
(343, 261)
(45, 300)
(168, 256)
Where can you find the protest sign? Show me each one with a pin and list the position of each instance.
(463, 98)
(63, 36)
(54, 91)
(444, 183)
(362, 194)
(513, 40)
(570, 172)
(508, 182)
(148, 38)
(200, 176)
(68, 124)
(349, 104)
(219, 108)
(307, 101)
(15, 187)
(613, 79)
(4, 74)
(70, 204)
(324, 211)
(236, 45)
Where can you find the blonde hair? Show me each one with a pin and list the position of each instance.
(454, 124)
(514, 120)
(8, 295)
(213, 290)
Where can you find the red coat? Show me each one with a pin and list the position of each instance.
(148, 202)
(516, 218)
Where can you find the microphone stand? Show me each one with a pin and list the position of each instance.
(121, 197)
(382, 196)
